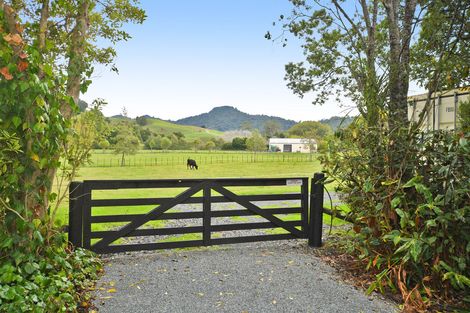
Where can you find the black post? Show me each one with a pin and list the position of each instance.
(76, 213)
(206, 213)
(86, 215)
(304, 205)
(316, 211)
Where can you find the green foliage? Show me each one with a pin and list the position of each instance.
(239, 143)
(210, 145)
(141, 120)
(256, 142)
(44, 65)
(154, 142)
(166, 143)
(39, 273)
(441, 54)
(30, 111)
(336, 122)
(412, 228)
(271, 128)
(126, 141)
(464, 116)
(310, 129)
(226, 118)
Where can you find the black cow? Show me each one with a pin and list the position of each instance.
(191, 164)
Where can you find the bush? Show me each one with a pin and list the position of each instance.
(411, 216)
(39, 273)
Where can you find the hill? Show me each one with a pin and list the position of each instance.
(229, 118)
(336, 122)
(167, 128)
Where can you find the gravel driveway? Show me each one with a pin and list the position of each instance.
(261, 277)
(279, 276)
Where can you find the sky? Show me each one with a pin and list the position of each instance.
(190, 56)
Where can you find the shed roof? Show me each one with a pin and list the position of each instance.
(273, 141)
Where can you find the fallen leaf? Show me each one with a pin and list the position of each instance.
(274, 301)
(23, 55)
(112, 290)
(200, 294)
(35, 157)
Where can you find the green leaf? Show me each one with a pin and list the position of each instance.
(16, 121)
(29, 268)
(395, 202)
(412, 182)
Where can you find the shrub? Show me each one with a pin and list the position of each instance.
(411, 216)
(39, 273)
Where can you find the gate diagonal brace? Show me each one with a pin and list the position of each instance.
(251, 207)
(155, 213)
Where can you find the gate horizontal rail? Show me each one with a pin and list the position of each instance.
(83, 205)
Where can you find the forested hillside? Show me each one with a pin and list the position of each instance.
(229, 118)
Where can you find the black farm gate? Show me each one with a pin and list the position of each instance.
(83, 204)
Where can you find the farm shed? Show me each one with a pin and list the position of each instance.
(443, 110)
(292, 145)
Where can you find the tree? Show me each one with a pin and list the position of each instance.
(153, 142)
(88, 129)
(239, 143)
(256, 142)
(385, 168)
(145, 133)
(196, 144)
(126, 142)
(51, 57)
(104, 144)
(271, 128)
(141, 120)
(210, 145)
(310, 129)
(165, 143)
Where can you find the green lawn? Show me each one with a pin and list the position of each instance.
(190, 132)
(106, 158)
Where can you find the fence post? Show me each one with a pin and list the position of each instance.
(316, 211)
(76, 213)
(206, 212)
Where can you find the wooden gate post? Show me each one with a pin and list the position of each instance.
(206, 212)
(316, 211)
(76, 213)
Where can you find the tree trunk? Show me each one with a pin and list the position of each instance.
(74, 71)
(399, 61)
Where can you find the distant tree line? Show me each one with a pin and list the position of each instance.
(126, 136)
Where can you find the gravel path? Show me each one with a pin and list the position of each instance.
(260, 277)
(280, 276)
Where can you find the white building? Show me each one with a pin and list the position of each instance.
(292, 145)
(443, 110)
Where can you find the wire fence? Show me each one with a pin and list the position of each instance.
(175, 160)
